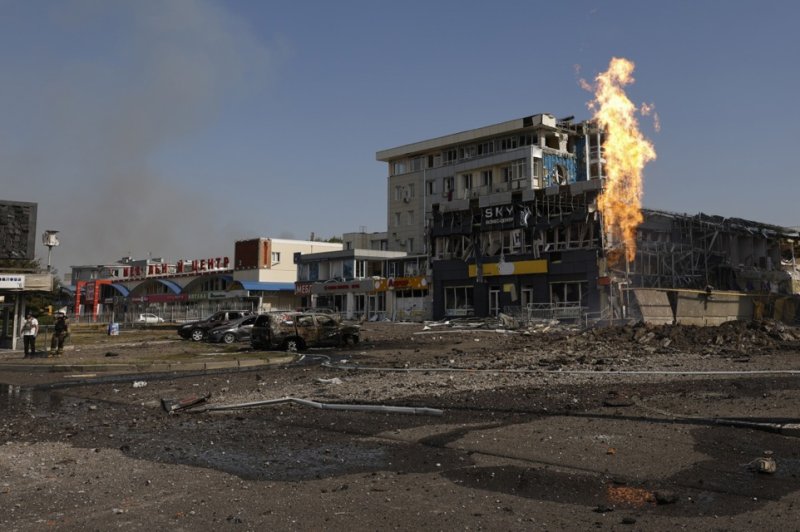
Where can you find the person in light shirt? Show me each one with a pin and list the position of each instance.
(28, 331)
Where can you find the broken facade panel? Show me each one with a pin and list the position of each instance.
(682, 251)
(523, 254)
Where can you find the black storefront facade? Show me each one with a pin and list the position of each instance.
(539, 253)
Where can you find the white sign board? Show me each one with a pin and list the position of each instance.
(11, 281)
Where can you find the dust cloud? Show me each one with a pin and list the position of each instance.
(104, 99)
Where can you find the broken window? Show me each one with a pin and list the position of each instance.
(458, 300)
(574, 292)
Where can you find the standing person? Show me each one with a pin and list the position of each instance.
(29, 330)
(60, 333)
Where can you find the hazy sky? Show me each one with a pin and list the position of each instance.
(176, 127)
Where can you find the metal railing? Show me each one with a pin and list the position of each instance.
(169, 313)
(547, 311)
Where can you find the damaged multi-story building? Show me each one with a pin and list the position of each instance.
(505, 212)
(507, 215)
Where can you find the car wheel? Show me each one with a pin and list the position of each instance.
(293, 345)
(197, 335)
(229, 338)
(349, 339)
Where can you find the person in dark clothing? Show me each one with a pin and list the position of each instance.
(60, 333)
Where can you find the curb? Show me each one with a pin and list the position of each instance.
(49, 367)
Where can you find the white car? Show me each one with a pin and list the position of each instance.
(149, 318)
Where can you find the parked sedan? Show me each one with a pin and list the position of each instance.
(234, 331)
(149, 318)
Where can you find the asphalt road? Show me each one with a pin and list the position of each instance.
(537, 450)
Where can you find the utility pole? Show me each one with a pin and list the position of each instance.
(50, 239)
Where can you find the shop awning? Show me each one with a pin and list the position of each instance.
(119, 288)
(174, 287)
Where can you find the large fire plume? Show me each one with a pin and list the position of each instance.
(626, 151)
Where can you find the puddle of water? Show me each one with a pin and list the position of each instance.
(22, 397)
(787, 467)
(293, 464)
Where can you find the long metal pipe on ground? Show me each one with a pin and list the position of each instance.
(326, 406)
(568, 371)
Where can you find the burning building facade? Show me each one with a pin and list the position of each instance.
(506, 213)
(510, 216)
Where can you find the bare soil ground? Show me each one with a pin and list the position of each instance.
(551, 428)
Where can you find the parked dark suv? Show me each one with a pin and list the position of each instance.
(294, 331)
(197, 330)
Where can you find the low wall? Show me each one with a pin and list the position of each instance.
(696, 307)
(654, 306)
(699, 308)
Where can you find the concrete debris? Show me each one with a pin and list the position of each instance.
(139, 384)
(766, 464)
(172, 405)
(617, 399)
(502, 321)
(334, 380)
(326, 406)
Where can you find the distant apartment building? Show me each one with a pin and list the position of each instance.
(364, 240)
(365, 281)
(272, 260)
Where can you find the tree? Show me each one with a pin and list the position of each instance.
(21, 265)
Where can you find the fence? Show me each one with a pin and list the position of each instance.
(547, 311)
(169, 313)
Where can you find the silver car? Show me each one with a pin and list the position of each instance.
(149, 318)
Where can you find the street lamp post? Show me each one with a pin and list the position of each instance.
(50, 239)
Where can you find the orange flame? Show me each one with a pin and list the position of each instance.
(625, 151)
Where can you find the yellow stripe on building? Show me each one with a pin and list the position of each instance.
(522, 267)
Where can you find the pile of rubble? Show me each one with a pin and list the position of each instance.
(551, 343)
(743, 337)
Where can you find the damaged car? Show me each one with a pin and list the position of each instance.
(295, 331)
